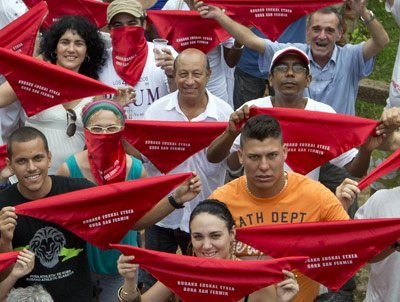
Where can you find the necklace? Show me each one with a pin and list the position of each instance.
(283, 188)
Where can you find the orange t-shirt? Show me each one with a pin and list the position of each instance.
(303, 200)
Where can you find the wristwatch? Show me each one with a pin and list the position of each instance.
(173, 202)
(370, 18)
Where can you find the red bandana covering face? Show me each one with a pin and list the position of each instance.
(390, 163)
(272, 16)
(107, 157)
(104, 214)
(196, 279)
(186, 29)
(129, 52)
(313, 138)
(20, 35)
(6, 259)
(40, 85)
(95, 11)
(337, 249)
(175, 141)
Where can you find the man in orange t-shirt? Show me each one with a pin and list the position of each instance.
(269, 195)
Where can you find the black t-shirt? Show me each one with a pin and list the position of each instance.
(61, 264)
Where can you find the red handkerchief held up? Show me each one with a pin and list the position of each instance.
(337, 249)
(168, 144)
(94, 10)
(196, 279)
(3, 156)
(40, 85)
(315, 137)
(20, 35)
(6, 259)
(272, 16)
(104, 214)
(186, 29)
(388, 165)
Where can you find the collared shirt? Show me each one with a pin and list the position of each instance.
(337, 83)
(211, 175)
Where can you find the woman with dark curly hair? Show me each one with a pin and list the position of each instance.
(75, 44)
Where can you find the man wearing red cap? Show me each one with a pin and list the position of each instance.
(131, 61)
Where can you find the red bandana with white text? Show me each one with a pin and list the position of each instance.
(388, 165)
(106, 156)
(104, 214)
(197, 279)
(272, 16)
(6, 259)
(96, 11)
(129, 52)
(175, 141)
(337, 249)
(3, 156)
(313, 138)
(186, 29)
(20, 35)
(40, 85)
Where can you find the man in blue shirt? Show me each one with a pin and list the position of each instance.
(336, 71)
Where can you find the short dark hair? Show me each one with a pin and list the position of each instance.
(216, 208)
(261, 127)
(25, 134)
(88, 31)
(327, 10)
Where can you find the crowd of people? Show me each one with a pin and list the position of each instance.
(79, 144)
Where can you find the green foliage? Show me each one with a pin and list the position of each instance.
(368, 110)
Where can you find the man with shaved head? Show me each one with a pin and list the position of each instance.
(191, 102)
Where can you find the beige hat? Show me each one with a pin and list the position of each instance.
(132, 7)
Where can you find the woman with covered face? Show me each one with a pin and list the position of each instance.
(212, 231)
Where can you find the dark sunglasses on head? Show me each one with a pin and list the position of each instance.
(71, 119)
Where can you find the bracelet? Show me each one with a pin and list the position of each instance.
(5, 185)
(173, 202)
(370, 19)
(138, 297)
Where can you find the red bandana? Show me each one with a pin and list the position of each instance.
(107, 157)
(3, 156)
(390, 163)
(40, 85)
(129, 52)
(186, 29)
(177, 141)
(20, 35)
(95, 11)
(272, 16)
(197, 279)
(6, 259)
(313, 138)
(105, 214)
(337, 249)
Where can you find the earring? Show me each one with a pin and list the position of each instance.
(87, 59)
(233, 247)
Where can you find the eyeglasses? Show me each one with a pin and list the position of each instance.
(71, 119)
(285, 68)
(108, 129)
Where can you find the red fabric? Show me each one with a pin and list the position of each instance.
(390, 163)
(186, 29)
(95, 11)
(3, 156)
(129, 52)
(313, 138)
(105, 214)
(272, 16)
(20, 35)
(40, 85)
(6, 259)
(351, 241)
(225, 280)
(107, 157)
(175, 141)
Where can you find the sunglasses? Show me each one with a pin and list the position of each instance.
(71, 119)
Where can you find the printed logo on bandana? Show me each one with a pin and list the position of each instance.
(17, 48)
(307, 147)
(334, 260)
(264, 12)
(167, 146)
(38, 89)
(194, 40)
(205, 288)
(109, 218)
